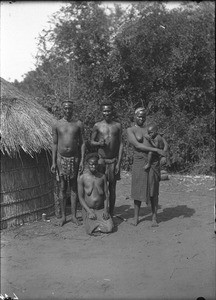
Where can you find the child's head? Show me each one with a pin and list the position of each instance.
(152, 130)
(92, 162)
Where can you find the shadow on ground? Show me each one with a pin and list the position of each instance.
(126, 212)
(173, 212)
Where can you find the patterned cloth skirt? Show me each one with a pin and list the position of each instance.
(145, 183)
(67, 167)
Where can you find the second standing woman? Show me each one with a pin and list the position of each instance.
(145, 183)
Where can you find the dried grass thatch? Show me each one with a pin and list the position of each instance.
(25, 124)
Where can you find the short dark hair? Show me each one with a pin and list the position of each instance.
(92, 155)
(107, 103)
(67, 101)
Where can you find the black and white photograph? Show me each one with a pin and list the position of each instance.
(107, 142)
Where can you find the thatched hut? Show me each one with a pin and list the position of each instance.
(26, 181)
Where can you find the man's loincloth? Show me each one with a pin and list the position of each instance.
(99, 224)
(107, 167)
(67, 167)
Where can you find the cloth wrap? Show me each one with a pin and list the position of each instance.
(107, 167)
(99, 224)
(67, 167)
(145, 183)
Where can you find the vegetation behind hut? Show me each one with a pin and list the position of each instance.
(144, 55)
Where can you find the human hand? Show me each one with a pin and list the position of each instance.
(53, 168)
(106, 215)
(81, 167)
(101, 143)
(161, 152)
(117, 168)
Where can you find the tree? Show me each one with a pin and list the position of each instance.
(164, 61)
(145, 56)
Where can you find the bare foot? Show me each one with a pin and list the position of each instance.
(62, 222)
(154, 223)
(147, 167)
(134, 222)
(96, 233)
(75, 221)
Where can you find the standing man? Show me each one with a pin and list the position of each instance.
(68, 157)
(107, 135)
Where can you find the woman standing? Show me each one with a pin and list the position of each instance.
(145, 183)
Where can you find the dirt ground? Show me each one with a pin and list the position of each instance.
(173, 261)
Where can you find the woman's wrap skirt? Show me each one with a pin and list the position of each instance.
(145, 183)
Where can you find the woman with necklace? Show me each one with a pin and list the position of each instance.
(145, 183)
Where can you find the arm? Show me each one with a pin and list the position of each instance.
(166, 147)
(154, 142)
(54, 148)
(94, 137)
(106, 201)
(140, 146)
(81, 194)
(120, 151)
(82, 142)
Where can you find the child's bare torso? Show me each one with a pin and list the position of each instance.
(158, 140)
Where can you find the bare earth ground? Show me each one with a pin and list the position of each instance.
(173, 261)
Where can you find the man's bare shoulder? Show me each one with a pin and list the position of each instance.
(130, 129)
(59, 122)
(56, 123)
(97, 126)
(99, 123)
(113, 123)
(62, 121)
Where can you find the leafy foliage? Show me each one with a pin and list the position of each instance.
(144, 55)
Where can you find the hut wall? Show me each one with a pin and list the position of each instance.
(27, 188)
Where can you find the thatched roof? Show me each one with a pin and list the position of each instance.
(25, 124)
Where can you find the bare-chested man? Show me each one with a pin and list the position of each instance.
(68, 157)
(93, 196)
(107, 135)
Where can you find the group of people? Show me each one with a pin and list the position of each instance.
(92, 178)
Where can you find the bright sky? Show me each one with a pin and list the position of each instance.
(21, 24)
